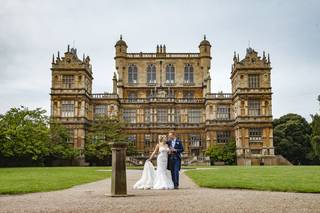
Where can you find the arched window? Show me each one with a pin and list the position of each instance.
(188, 73)
(151, 73)
(170, 75)
(132, 73)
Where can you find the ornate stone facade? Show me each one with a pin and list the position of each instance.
(159, 91)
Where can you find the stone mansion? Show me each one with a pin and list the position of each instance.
(159, 91)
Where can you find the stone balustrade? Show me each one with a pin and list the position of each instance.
(165, 55)
(164, 100)
(104, 96)
(219, 96)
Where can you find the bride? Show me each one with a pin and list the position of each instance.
(161, 178)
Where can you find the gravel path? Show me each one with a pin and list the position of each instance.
(189, 198)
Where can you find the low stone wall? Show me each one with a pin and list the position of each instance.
(263, 160)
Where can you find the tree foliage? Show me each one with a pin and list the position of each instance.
(291, 135)
(103, 131)
(225, 153)
(25, 138)
(315, 139)
(24, 134)
(131, 149)
(59, 148)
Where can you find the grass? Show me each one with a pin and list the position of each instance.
(194, 167)
(21, 180)
(42, 179)
(271, 178)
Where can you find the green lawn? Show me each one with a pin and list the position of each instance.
(40, 179)
(271, 178)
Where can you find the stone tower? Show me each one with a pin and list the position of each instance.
(251, 89)
(71, 89)
(120, 62)
(205, 64)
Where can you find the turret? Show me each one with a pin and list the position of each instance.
(121, 48)
(205, 48)
(205, 63)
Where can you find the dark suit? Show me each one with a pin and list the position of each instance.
(174, 161)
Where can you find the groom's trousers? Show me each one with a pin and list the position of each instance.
(175, 167)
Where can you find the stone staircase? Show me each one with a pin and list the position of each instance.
(133, 161)
(282, 160)
(195, 161)
(267, 160)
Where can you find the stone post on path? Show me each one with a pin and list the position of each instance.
(118, 179)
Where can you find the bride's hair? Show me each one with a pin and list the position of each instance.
(162, 139)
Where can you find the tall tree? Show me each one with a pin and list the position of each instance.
(27, 139)
(292, 138)
(59, 148)
(103, 131)
(24, 135)
(315, 137)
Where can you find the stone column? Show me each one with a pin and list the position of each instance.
(209, 84)
(119, 179)
(114, 84)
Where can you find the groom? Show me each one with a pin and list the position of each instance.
(174, 161)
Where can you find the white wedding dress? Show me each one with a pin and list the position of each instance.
(159, 179)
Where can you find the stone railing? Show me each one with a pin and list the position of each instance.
(134, 161)
(246, 151)
(104, 96)
(165, 125)
(189, 100)
(79, 119)
(163, 55)
(162, 100)
(186, 83)
(72, 91)
(203, 158)
(261, 118)
(190, 125)
(253, 90)
(218, 121)
(158, 84)
(148, 125)
(196, 160)
(219, 96)
(141, 55)
(182, 55)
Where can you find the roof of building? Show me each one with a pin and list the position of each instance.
(121, 42)
(205, 42)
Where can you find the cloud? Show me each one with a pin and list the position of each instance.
(33, 30)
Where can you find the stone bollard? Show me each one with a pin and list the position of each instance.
(119, 179)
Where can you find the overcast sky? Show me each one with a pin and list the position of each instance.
(32, 30)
